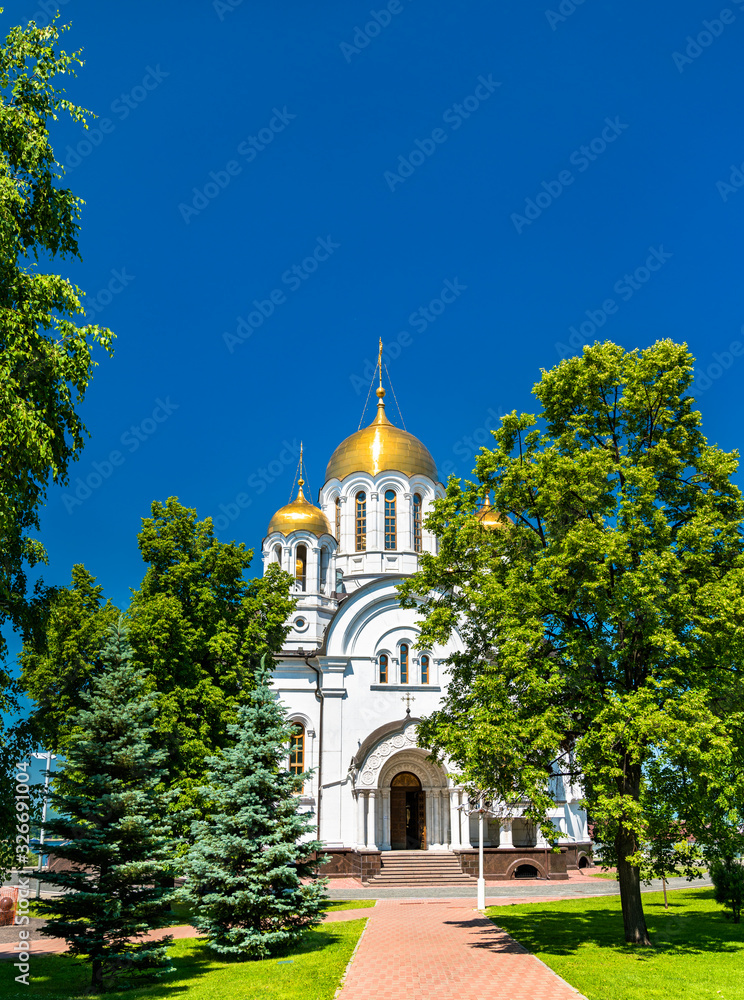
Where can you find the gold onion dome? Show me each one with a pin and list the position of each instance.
(300, 515)
(381, 447)
(491, 518)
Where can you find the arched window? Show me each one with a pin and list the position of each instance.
(361, 522)
(390, 519)
(416, 522)
(383, 668)
(424, 669)
(325, 559)
(278, 554)
(297, 749)
(301, 566)
(338, 521)
(404, 664)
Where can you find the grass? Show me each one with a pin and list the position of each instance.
(349, 904)
(697, 952)
(312, 970)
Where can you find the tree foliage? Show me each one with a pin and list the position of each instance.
(57, 670)
(113, 827)
(245, 865)
(46, 358)
(604, 621)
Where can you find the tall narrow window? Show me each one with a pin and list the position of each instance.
(278, 554)
(404, 664)
(390, 527)
(417, 522)
(338, 521)
(297, 749)
(424, 669)
(301, 566)
(361, 522)
(383, 668)
(325, 559)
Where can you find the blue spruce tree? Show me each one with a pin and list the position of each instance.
(116, 835)
(249, 857)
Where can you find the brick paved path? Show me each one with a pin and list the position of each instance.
(444, 950)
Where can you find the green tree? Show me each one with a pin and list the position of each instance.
(57, 669)
(45, 355)
(199, 628)
(728, 884)
(603, 621)
(245, 865)
(108, 794)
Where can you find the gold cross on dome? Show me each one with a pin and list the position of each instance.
(408, 698)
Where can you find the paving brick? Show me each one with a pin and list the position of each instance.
(444, 950)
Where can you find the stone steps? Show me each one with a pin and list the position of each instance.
(412, 868)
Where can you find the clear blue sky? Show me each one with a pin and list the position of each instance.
(237, 140)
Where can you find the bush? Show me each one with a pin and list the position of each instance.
(728, 882)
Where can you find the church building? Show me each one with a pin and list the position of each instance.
(354, 681)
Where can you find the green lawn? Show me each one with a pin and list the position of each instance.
(349, 904)
(697, 952)
(311, 971)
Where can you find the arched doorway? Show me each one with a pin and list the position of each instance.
(407, 813)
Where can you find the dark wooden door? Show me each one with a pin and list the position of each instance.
(398, 819)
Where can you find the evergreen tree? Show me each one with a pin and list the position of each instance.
(245, 867)
(112, 821)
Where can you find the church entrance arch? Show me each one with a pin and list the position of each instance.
(407, 813)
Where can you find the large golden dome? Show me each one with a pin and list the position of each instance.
(300, 515)
(380, 447)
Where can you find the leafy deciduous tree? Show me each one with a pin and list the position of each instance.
(604, 620)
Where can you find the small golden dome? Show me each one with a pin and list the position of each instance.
(380, 447)
(300, 515)
(491, 518)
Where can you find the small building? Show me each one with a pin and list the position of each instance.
(354, 681)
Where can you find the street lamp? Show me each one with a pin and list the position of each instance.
(482, 810)
(48, 756)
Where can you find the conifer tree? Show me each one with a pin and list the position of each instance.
(245, 867)
(112, 822)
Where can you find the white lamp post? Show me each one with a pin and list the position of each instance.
(482, 811)
(48, 756)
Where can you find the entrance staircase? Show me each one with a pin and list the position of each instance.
(417, 868)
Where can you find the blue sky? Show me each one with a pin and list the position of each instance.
(270, 188)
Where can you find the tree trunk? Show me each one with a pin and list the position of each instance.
(634, 919)
(97, 975)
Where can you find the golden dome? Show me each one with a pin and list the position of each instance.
(380, 447)
(300, 515)
(491, 518)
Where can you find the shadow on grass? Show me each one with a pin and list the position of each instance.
(60, 977)
(690, 926)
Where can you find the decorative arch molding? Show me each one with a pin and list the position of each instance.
(413, 760)
(531, 860)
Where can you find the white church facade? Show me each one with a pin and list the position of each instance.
(354, 681)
